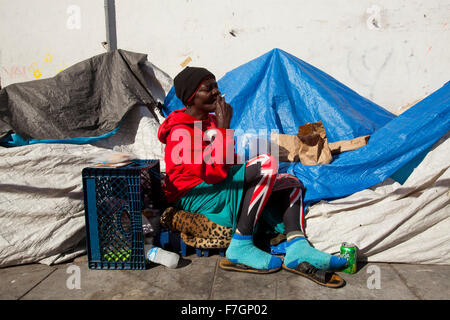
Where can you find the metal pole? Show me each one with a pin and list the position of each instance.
(110, 19)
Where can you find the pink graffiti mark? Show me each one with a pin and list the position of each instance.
(16, 71)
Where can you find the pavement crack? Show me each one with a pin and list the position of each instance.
(276, 290)
(405, 282)
(211, 293)
(39, 282)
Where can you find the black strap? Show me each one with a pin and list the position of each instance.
(321, 275)
(318, 274)
(306, 267)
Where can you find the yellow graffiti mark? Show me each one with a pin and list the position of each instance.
(48, 57)
(36, 73)
(62, 67)
(186, 62)
(32, 66)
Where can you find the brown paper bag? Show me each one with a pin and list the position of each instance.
(288, 146)
(313, 147)
(348, 145)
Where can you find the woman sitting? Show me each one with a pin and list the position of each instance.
(203, 176)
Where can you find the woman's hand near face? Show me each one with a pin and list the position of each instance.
(224, 112)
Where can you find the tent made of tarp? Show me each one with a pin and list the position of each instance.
(278, 91)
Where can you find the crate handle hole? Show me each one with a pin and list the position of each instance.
(125, 221)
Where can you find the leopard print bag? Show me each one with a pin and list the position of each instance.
(196, 230)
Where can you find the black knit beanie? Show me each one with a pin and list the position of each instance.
(188, 80)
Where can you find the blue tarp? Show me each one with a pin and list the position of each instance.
(278, 91)
(15, 140)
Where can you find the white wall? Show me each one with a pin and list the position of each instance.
(391, 52)
(38, 38)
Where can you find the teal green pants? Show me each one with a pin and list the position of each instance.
(221, 202)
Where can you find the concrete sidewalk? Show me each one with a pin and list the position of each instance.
(199, 278)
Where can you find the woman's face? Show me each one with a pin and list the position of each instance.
(206, 96)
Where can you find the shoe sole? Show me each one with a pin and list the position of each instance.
(227, 265)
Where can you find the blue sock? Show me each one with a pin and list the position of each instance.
(242, 250)
(299, 250)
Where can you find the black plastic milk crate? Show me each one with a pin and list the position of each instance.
(113, 200)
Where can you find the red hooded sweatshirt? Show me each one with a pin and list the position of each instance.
(190, 156)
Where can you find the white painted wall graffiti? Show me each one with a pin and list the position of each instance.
(391, 52)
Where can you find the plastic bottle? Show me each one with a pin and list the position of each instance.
(161, 256)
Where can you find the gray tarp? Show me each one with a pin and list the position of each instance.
(41, 192)
(88, 99)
